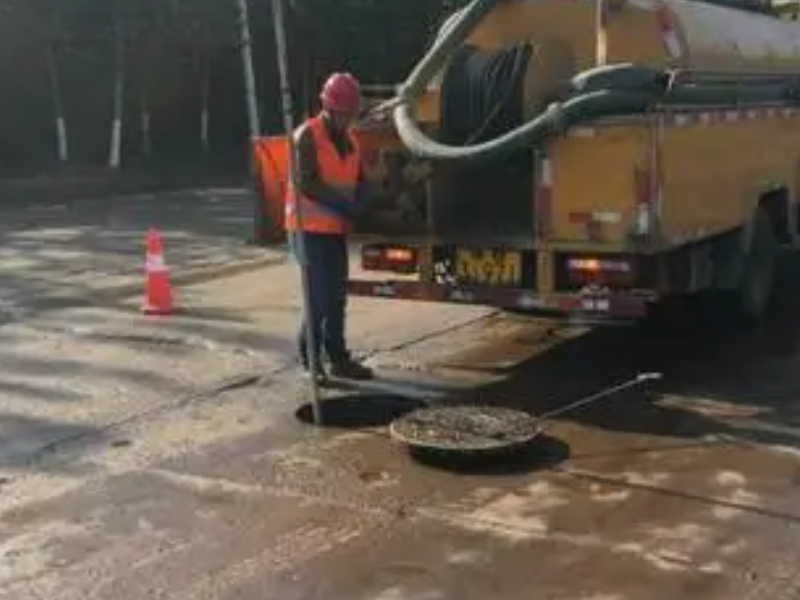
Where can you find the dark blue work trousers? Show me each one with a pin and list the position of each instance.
(327, 262)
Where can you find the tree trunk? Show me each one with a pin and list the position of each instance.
(246, 45)
(147, 141)
(205, 112)
(115, 153)
(302, 42)
(62, 143)
(601, 33)
(245, 42)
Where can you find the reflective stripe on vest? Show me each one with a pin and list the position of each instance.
(340, 173)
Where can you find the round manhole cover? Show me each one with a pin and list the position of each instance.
(466, 428)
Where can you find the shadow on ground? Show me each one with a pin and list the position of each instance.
(26, 440)
(545, 452)
(719, 379)
(354, 411)
(54, 255)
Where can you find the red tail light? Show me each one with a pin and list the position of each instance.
(399, 259)
(402, 256)
(612, 271)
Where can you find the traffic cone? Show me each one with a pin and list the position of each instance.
(158, 293)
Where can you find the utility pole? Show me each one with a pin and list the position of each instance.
(288, 119)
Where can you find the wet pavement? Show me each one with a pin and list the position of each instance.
(54, 255)
(162, 458)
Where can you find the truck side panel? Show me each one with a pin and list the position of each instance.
(709, 171)
(717, 165)
(596, 174)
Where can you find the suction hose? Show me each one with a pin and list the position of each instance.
(554, 120)
(604, 91)
(454, 34)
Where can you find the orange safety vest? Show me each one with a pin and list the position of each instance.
(341, 173)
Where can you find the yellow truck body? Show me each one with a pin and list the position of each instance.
(680, 200)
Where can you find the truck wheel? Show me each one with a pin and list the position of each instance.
(670, 317)
(758, 279)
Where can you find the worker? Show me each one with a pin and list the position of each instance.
(330, 187)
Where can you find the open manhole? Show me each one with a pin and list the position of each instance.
(466, 429)
(374, 410)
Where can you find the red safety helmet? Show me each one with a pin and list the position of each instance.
(342, 93)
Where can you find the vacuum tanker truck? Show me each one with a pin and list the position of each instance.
(589, 157)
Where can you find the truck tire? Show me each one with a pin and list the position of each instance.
(752, 274)
(673, 316)
(758, 278)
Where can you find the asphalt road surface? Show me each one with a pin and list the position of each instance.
(163, 457)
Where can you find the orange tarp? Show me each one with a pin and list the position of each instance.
(272, 158)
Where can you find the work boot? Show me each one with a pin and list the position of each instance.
(349, 369)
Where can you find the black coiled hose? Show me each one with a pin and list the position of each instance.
(482, 94)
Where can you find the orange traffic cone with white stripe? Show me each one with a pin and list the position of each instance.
(158, 292)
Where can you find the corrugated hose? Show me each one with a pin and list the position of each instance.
(612, 90)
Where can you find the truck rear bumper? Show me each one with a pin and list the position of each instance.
(629, 305)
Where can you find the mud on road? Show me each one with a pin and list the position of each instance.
(686, 489)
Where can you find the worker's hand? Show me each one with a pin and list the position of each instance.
(417, 171)
(410, 212)
(375, 167)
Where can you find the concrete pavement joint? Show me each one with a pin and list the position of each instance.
(445, 516)
(428, 336)
(708, 500)
(121, 291)
(217, 484)
(230, 384)
(194, 276)
(514, 531)
(150, 338)
(650, 450)
(282, 557)
(239, 382)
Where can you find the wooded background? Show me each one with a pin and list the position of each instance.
(163, 64)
